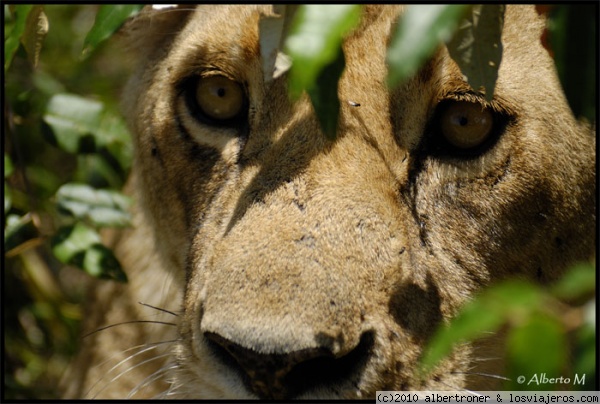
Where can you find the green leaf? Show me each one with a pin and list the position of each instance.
(421, 29)
(102, 208)
(579, 281)
(112, 133)
(80, 125)
(515, 298)
(109, 19)
(69, 242)
(99, 261)
(477, 48)
(13, 37)
(317, 59)
(95, 132)
(536, 348)
(80, 245)
(315, 40)
(585, 348)
(514, 301)
(472, 322)
(73, 120)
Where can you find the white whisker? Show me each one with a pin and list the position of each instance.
(174, 387)
(152, 378)
(483, 375)
(147, 347)
(165, 355)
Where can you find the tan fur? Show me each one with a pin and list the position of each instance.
(287, 244)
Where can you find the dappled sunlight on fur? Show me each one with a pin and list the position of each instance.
(298, 267)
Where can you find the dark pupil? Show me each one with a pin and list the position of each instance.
(463, 121)
(221, 92)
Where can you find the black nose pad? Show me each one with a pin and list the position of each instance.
(286, 375)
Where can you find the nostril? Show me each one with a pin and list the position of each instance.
(329, 370)
(278, 376)
(265, 374)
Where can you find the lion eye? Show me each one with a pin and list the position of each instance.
(219, 99)
(466, 125)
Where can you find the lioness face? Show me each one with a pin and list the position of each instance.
(319, 269)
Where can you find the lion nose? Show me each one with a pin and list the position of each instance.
(289, 374)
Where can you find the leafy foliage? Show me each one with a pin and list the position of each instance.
(14, 32)
(66, 157)
(318, 61)
(538, 324)
(108, 21)
(81, 245)
(472, 35)
(420, 31)
(315, 41)
(101, 208)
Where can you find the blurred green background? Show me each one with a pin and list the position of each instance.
(41, 295)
